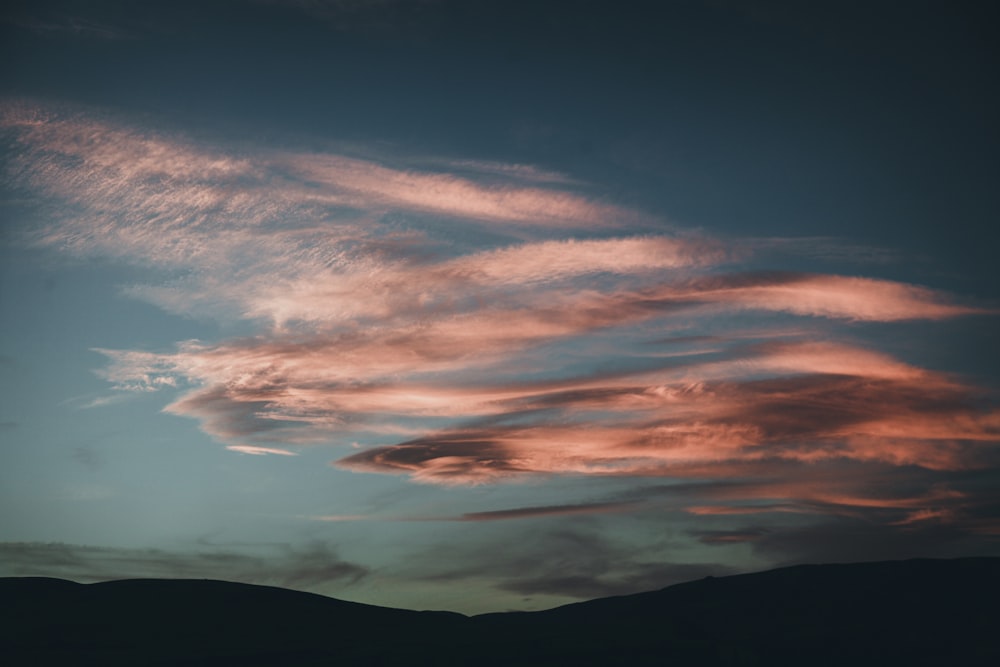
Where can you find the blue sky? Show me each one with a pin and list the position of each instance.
(495, 305)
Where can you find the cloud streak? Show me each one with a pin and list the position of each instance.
(311, 565)
(548, 510)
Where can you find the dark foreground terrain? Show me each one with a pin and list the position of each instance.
(916, 612)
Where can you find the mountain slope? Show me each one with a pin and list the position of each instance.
(917, 612)
(200, 622)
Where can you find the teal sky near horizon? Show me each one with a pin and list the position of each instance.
(495, 305)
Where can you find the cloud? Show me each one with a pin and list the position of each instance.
(853, 539)
(581, 581)
(570, 560)
(470, 322)
(547, 510)
(729, 536)
(777, 511)
(306, 566)
(564, 259)
(366, 183)
(832, 296)
(757, 514)
(174, 199)
(259, 451)
(875, 410)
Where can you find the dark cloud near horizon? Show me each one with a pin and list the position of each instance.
(749, 534)
(306, 566)
(568, 559)
(547, 510)
(585, 583)
(575, 561)
(857, 539)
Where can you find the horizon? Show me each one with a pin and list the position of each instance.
(483, 306)
(513, 611)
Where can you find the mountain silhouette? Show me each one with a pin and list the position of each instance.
(914, 612)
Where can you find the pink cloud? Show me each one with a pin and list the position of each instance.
(259, 451)
(296, 238)
(364, 182)
(517, 274)
(942, 515)
(848, 489)
(558, 260)
(801, 401)
(831, 296)
(678, 429)
(418, 342)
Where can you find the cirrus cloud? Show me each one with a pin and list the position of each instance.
(468, 322)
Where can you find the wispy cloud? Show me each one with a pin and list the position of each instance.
(259, 451)
(472, 322)
(365, 183)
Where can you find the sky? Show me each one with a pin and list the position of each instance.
(492, 305)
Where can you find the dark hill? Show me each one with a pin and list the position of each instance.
(916, 612)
